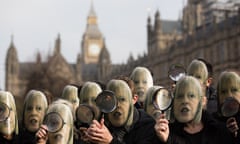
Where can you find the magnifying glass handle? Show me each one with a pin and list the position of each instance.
(101, 116)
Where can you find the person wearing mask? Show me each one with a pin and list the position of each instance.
(70, 93)
(192, 125)
(210, 90)
(88, 94)
(142, 79)
(148, 104)
(8, 119)
(125, 124)
(34, 109)
(58, 125)
(198, 70)
(228, 86)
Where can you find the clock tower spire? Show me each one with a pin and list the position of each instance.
(92, 40)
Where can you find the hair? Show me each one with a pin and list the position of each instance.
(208, 65)
(128, 81)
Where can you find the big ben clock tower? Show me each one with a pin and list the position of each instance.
(92, 42)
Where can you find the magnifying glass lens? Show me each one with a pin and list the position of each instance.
(230, 107)
(4, 112)
(85, 114)
(176, 72)
(163, 99)
(54, 122)
(106, 101)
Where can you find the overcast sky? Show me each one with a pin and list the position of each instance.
(35, 25)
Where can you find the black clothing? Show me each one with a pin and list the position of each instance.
(15, 140)
(212, 99)
(140, 132)
(212, 133)
(222, 119)
(27, 137)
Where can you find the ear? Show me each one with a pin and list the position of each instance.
(209, 81)
(135, 98)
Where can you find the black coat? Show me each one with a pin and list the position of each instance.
(15, 140)
(212, 133)
(141, 132)
(222, 119)
(27, 137)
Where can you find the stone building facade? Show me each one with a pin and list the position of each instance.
(217, 42)
(93, 64)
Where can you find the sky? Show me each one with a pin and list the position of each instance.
(35, 24)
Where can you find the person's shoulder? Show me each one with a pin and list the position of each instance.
(144, 118)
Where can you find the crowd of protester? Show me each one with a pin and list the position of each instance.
(130, 110)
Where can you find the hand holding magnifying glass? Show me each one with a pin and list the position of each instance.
(229, 109)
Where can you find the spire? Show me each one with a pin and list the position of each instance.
(57, 49)
(157, 24)
(39, 58)
(92, 17)
(12, 43)
(92, 11)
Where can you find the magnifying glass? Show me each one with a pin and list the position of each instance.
(84, 115)
(4, 112)
(106, 101)
(54, 122)
(230, 107)
(162, 100)
(176, 71)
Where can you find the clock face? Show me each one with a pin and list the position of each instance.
(94, 49)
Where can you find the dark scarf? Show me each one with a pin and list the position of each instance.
(119, 132)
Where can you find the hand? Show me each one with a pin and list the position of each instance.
(99, 133)
(42, 135)
(84, 134)
(232, 126)
(161, 128)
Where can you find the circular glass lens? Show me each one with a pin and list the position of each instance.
(230, 107)
(106, 101)
(54, 122)
(163, 99)
(85, 114)
(176, 72)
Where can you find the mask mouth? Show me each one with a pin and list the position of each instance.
(184, 110)
(140, 93)
(58, 136)
(117, 114)
(33, 121)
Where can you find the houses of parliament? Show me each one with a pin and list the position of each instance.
(207, 30)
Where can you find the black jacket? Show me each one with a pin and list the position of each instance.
(222, 119)
(212, 133)
(15, 140)
(141, 132)
(27, 137)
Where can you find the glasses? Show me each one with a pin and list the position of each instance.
(54, 122)
(4, 112)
